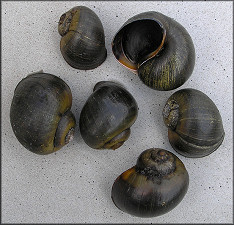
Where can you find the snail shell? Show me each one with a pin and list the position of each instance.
(107, 116)
(195, 127)
(83, 41)
(154, 186)
(157, 48)
(40, 113)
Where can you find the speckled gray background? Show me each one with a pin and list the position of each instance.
(73, 185)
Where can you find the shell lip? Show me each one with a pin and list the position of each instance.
(118, 51)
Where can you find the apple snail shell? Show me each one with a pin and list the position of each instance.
(40, 113)
(195, 127)
(154, 186)
(83, 41)
(107, 116)
(157, 48)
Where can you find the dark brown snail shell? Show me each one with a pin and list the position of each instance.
(40, 113)
(195, 127)
(83, 41)
(107, 116)
(157, 48)
(156, 185)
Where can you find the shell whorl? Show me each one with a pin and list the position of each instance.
(118, 140)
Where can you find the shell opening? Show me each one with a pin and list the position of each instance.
(118, 140)
(142, 39)
(171, 114)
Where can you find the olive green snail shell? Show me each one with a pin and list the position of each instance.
(107, 116)
(40, 113)
(157, 48)
(154, 186)
(83, 41)
(195, 127)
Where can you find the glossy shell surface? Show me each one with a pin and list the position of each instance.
(109, 111)
(153, 187)
(157, 48)
(40, 113)
(83, 41)
(195, 127)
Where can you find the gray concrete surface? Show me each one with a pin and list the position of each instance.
(74, 184)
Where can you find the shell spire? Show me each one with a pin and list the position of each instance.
(156, 162)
